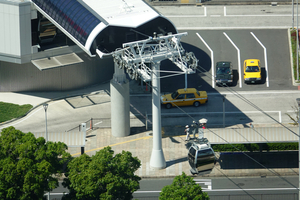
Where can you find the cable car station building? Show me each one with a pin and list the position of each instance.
(56, 45)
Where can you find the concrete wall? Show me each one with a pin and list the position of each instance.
(26, 77)
(15, 26)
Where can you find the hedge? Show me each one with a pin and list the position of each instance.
(255, 147)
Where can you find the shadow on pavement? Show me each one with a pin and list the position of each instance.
(178, 160)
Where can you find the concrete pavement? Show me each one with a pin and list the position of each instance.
(139, 143)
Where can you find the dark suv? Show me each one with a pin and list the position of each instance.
(224, 75)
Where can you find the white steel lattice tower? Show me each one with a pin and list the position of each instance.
(135, 58)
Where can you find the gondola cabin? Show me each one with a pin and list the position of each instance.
(201, 156)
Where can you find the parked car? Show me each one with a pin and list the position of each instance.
(224, 75)
(184, 97)
(252, 71)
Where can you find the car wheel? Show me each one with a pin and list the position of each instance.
(168, 105)
(196, 103)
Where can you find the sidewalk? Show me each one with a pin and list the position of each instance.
(139, 143)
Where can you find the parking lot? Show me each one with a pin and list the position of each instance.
(270, 46)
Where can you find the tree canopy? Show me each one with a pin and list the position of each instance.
(102, 176)
(28, 165)
(183, 187)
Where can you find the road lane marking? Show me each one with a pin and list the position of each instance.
(212, 60)
(239, 58)
(206, 182)
(230, 190)
(232, 28)
(265, 56)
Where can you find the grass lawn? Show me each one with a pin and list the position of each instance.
(294, 51)
(10, 111)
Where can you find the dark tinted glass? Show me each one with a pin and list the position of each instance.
(71, 15)
(190, 96)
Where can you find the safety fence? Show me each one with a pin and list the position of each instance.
(96, 123)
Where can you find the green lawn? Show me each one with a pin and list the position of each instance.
(294, 51)
(10, 111)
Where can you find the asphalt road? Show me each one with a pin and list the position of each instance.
(275, 188)
(237, 188)
(229, 17)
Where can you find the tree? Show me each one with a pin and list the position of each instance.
(28, 165)
(183, 188)
(102, 176)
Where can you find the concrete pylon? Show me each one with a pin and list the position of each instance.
(120, 104)
(157, 159)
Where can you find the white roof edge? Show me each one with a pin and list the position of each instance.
(94, 34)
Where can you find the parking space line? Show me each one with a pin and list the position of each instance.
(265, 56)
(212, 60)
(239, 58)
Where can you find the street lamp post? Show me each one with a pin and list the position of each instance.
(45, 108)
(224, 96)
(298, 103)
(45, 105)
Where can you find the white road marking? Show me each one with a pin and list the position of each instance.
(252, 189)
(185, 16)
(265, 56)
(206, 182)
(258, 92)
(239, 58)
(258, 15)
(231, 28)
(212, 61)
(223, 190)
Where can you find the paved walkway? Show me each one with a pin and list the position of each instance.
(139, 143)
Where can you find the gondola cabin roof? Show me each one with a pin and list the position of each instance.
(202, 146)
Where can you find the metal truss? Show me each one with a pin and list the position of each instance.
(136, 57)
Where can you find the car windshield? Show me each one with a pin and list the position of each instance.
(174, 95)
(223, 70)
(252, 69)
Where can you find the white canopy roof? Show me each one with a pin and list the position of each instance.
(126, 13)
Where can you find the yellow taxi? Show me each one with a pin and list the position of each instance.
(184, 97)
(252, 71)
